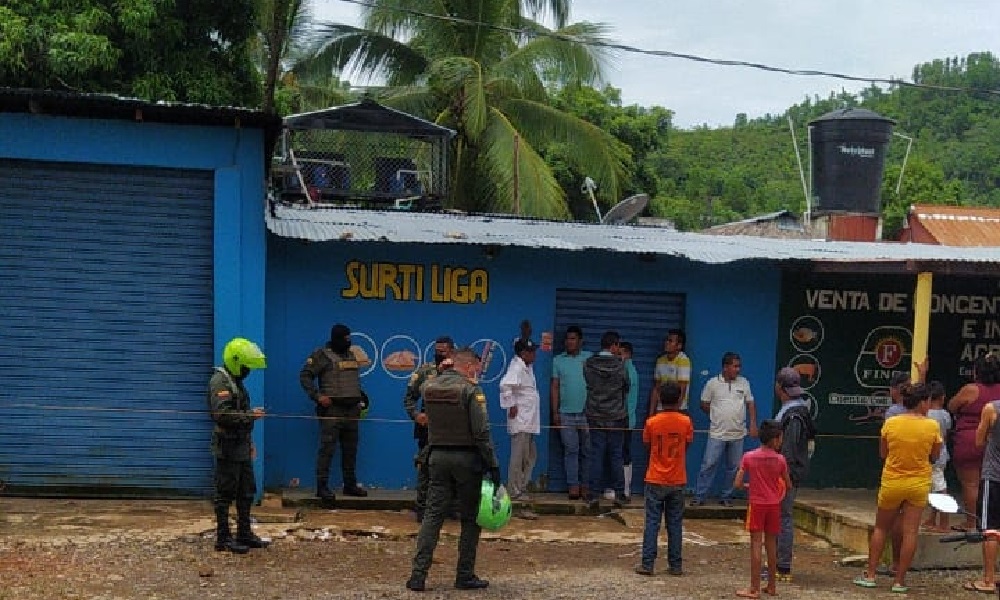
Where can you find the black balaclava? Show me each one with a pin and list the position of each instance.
(340, 338)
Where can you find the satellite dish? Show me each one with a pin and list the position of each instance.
(626, 210)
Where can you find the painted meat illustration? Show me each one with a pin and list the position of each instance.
(401, 360)
(806, 370)
(804, 335)
(361, 356)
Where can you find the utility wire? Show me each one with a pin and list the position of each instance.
(681, 55)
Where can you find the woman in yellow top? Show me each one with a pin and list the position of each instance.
(909, 444)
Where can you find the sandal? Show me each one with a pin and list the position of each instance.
(864, 581)
(750, 594)
(979, 586)
(899, 589)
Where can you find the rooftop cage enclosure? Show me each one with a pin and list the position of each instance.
(362, 155)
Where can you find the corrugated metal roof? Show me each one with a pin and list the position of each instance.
(960, 225)
(111, 106)
(319, 225)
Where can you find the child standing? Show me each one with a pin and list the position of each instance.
(938, 521)
(768, 474)
(666, 436)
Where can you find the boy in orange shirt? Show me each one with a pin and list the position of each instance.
(666, 436)
(768, 472)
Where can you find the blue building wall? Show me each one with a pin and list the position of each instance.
(729, 308)
(235, 155)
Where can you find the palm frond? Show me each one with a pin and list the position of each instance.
(559, 9)
(415, 100)
(367, 53)
(597, 153)
(562, 59)
(506, 152)
(460, 80)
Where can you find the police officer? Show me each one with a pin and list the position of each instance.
(339, 402)
(461, 452)
(229, 404)
(443, 349)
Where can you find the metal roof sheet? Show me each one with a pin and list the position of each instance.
(960, 225)
(111, 106)
(319, 225)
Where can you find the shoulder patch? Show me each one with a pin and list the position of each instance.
(480, 397)
(309, 360)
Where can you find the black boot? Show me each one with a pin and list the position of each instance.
(244, 533)
(351, 488)
(223, 538)
(323, 491)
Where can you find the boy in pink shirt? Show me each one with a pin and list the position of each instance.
(768, 474)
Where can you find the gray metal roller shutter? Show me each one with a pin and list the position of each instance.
(105, 329)
(642, 318)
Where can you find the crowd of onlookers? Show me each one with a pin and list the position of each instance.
(594, 398)
(921, 433)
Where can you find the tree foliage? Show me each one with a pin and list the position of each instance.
(488, 84)
(184, 50)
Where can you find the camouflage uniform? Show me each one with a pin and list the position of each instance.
(460, 453)
(339, 379)
(413, 407)
(229, 403)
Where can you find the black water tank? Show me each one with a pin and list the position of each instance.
(848, 158)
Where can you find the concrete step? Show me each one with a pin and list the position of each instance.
(843, 528)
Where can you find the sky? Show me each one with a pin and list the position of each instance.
(867, 38)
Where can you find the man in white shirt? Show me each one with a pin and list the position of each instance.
(519, 397)
(726, 399)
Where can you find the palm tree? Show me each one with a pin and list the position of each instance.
(481, 68)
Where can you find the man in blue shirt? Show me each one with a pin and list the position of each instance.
(568, 395)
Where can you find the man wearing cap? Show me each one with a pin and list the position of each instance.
(339, 402)
(797, 443)
(519, 397)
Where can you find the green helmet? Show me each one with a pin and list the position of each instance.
(494, 506)
(241, 352)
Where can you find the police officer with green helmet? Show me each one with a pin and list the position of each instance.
(339, 405)
(232, 445)
(461, 453)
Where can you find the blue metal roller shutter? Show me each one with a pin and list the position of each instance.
(105, 329)
(642, 318)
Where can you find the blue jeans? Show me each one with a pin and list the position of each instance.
(787, 535)
(714, 451)
(663, 500)
(575, 438)
(607, 439)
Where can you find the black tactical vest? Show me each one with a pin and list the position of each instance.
(342, 379)
(447, 415)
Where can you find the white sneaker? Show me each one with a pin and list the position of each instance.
(609, 494)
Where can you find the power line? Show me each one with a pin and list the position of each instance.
(684, 56)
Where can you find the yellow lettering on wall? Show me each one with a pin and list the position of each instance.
(438, 294)
(351, 271)
(387, 275)
(479, 286)
(459, 289)
(406, 282)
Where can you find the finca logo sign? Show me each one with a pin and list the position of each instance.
(858, 151)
